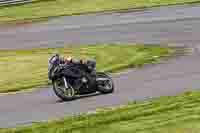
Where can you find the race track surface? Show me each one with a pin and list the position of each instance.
(177, 26)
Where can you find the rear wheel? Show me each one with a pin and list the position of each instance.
(63, 91)
(105, 85)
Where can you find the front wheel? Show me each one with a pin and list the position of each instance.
(104, 83)
(63, 89)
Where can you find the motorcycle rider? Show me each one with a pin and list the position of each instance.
(69, 59)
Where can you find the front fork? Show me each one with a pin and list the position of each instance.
(68, 88)
(65, 82)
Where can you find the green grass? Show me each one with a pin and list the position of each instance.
(47, 8)
(24, 69)
(175, 114)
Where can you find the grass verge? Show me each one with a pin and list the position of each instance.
(177, 114)
(48, 8)
(24, 69)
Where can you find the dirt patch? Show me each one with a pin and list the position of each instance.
(21, 23)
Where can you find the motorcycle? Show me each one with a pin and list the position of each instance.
(74, 79)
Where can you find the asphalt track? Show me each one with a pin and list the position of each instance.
(175, 26)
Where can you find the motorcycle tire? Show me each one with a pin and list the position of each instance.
(61, 93)
(104, 89)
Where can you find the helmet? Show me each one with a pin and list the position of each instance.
(68, 59)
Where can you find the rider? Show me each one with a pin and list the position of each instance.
(69, 59)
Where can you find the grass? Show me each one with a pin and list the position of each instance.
(47, 8)
(25, 69)
(176, 114)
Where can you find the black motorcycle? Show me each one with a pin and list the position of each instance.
(76, 78)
